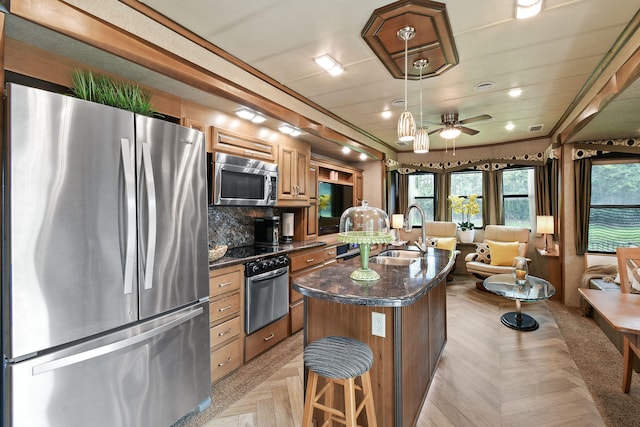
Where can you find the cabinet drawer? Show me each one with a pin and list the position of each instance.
(225, 331)
(330, 253)
(296, 312)
(294, 296)
(226, 359)
(307, 259)
(266, 338)
(224, 307)
(223, 283)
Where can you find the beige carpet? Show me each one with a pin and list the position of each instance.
(600, 364)
(234, 386)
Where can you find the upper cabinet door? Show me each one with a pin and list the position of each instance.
(293, 167)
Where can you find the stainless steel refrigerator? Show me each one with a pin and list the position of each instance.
(105, 312)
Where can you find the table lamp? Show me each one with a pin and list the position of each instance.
(397, 222)
(544, 226)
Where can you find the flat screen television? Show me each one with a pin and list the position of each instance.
(333, 200)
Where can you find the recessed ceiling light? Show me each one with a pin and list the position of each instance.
(245, 114)
(510, 126)
(290, 130)
(515, 92)
(386, 114)
(346, 150)
(528, 8)
(329, 64)
(363, 156)
(259, 118)
(483, 86)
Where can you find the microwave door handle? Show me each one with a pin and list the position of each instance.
(130, 201)
(152, 220)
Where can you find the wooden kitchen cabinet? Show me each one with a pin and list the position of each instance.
(358, 189)
(226, 318)
(302, 263)
(224, 141)
(293, 166)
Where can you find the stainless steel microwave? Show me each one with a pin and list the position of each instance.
(239, 181)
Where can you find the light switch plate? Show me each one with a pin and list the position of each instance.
(378, 324)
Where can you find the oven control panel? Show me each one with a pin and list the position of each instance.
(264, 265)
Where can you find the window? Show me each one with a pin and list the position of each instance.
(464, 184)
(614, 217)
(517, 197)
(422, 191)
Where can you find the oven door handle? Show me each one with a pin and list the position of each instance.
(269, 275)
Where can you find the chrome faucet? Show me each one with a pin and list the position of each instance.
(421, 243)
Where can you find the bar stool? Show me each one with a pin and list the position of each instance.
(340, 360)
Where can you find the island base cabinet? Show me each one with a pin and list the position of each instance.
(405, 359)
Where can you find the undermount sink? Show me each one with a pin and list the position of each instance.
(391, 260)
(396, 253)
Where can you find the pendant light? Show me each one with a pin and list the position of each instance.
(421, 143)
(406, 124)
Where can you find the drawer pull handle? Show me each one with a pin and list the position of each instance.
(223, 285)
(330, 253)
(220, 365)
(221, 334)
(221, 309)
(310, 260)
(269, 337)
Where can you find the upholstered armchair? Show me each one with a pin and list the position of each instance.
(443, 233)
(495, 254)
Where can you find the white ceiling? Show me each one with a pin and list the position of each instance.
(550, 57)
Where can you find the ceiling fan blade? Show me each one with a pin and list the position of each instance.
(434, 131)
(476, 119)
(468, 131)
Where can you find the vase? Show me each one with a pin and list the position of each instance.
(466, 236)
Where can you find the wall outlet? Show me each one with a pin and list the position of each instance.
(378, 324)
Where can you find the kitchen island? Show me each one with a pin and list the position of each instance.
(401, 316)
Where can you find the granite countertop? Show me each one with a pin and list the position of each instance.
(245, 254)
(398, 285)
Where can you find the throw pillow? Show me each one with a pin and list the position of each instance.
(482, 249)
(503, 253)
(448, 243)
(431, 243)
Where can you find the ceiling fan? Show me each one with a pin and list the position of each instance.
(453, 127)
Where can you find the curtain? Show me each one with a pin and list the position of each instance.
(443, 188)
(403, 192)
(582, 183)
(492, 197)
(546, 183)
(498, 203)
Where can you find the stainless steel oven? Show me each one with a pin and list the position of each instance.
(266, 291)
(238, 181)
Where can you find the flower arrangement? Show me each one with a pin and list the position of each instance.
(467, 206)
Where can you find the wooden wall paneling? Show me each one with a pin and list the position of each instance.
(326, 318)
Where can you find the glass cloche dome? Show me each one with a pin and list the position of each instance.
(365, 226)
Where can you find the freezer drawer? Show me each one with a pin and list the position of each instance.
(148, 375)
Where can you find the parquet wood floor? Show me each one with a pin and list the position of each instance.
(489, 375)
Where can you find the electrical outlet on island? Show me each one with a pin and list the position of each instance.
(378, 324)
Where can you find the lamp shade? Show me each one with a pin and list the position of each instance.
(544, 224)
(406, 127)
(421, 143)
(397, 221)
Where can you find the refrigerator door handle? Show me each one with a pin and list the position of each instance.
(118, 345)
(130, 195)
(151, 203)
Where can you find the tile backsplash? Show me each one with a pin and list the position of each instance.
(233, 226)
